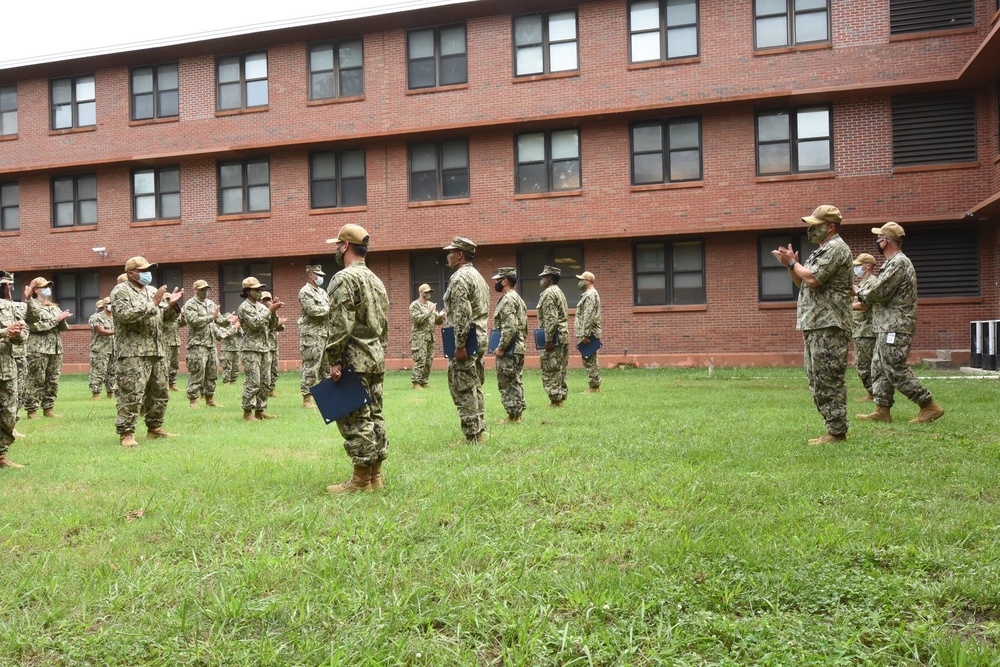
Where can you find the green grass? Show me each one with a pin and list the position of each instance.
(674, 519)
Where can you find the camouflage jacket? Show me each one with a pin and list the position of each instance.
(467, 301)
(8, 315)
(893, 297)
(44, 324)
(139, 322)
(829, 305)
(588, 315)
(863, 318)
(200, 318)
(553, 315)
(98, 343)
(172, 330)
(20, 311)
(231, 340)
(255, 319)
(358, 328)
(273, 327)
(315, 310)
(423, 317)
(511, 318)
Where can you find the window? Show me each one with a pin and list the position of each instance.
(671, 274)
(156, 193)
(545, 43)
(662, 30)
(436, 57)
(774, 282)
(242, 81)
(666, 151)
(154, 92)
(439, 170)
(531, 261)
(431, 268)
(945, 258)
(548, 161)
(244, 186)
(74, 200)
(337, 179)
(790, 22)
(231, 278)
(171, 276)
(928, 129)
(10, 207)
(907, 16)
(8, 110)
(73, 102)
(336, 69)
(794, 141)
(78, 293)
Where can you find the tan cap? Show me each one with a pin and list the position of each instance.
(461, 243)
(315, 268)
(351, 233)
(201, 284)
(122, 278)
(138, 264)
(424, 289)
(505, 272)
(264, 296)
(864, 258)
(252, 283)
(6, 277)
(890, 230)
(586, 275)
(824, 214)
(103, 302)
(550, 271)
(41, 282)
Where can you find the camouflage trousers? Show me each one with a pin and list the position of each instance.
(509, 381)
(890, 372)
(173, 362)
(8, 413)
(864, 350)
(43, 381)
(203, 371)
(22, 379)
(826, 368)
(554, 366)
(422, 353)
(230, 365)
(593, 366)
(101, 372)
(363, 430)
(256, 380)
(465, 382)
(272, 358)
(142, 383)
(311, 353)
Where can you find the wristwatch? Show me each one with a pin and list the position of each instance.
(791, 264)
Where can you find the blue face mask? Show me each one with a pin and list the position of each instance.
(319, 281)
(46, 292)
(145, 278)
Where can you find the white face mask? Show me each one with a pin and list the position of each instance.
(319, 281)
(858, 271)
(46, 292)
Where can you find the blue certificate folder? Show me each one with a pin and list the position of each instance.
(339, 399)
(590, 350)
(448, 341)
(540, 339)
(495, 336)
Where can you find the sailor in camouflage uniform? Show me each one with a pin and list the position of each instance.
(230, 350)
(45, 349)
(315, 305)
(358, 335)
(553, 314)
(864, 334)
(424, 318)
(893, 300)
(202, 316)
(138, 314)
(255, 318)
(824, 316)
(102, 337)
(12, 328)
(467, 303)
(18, 343)
(172, 336)
(587, 325)
(511, 318)
(276, 325)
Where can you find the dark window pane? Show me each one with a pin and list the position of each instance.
(531, 178)
(454, 70)
(456, 183)
(230, 96)
(566, 175)
(685, 165)
(324, 194)
(774, 159)
(231, 175)
(423, 186)
(169, 104)
(171, 206)
(421, 73)
(170, 180)
(143, 107)
(354, 192)
(352, 82)
(322, 86)
(232, 201)
(648, 168)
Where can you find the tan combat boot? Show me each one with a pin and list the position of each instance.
(417, 385)
(307, 402)
(17, 434)
(591, 390)
(157, 433)
(193, 402)
(555, 404)
(361, 481)
(128, 440)
(32, 414)
(828, 438)
(173, 387)
(248, 416)
(96, 397)
(881, 414)
(929, 411)
(261, 415)
(111, 394)
(7, 463)
(49, 413)
(210, 402)
(376, 480)
(866, 399)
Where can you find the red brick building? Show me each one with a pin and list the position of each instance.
(666, 146)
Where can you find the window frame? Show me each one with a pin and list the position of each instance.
(793, 139)
(799, 240)
(8, 112)
(664, 29)
(156, 93)
(440, 172)
(243, 269)
(244, 186)
(669, 273)
(545, 44)
(527, 282)
(76, 201)
(548, 161)
(666, 150)
(74, 104)
(438, 58)
(336, 72)
(6, 206)
(791, 14)
(339, 179)
(83, 304)
(243, 81)
(158, 193)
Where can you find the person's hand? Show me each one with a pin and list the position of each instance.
(549, 346)
(64, 314)
(174, 296)
(215, 314)
(15, 329)
(233, 318)
(499, 353)
(461, 354)
(275, 305)
(585, 340)
(158, 297)
(27, 291)
(335, 372)
(282, 320)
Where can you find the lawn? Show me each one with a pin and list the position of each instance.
(674, 519)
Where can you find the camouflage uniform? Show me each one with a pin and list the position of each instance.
(202, 360)
(142, 370)
(19, 348)
(172, 336)
(552, 317)
(864, 339)
(312, 334)
(587, 324)
(273, 327)
(45, 354)
(893, 300)
(424, 319)
(358, 335)
(231, 354)
(255, 319)
(467, 301)
(824, 317)
(100, 353)
(8, 375)
(511, 317)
